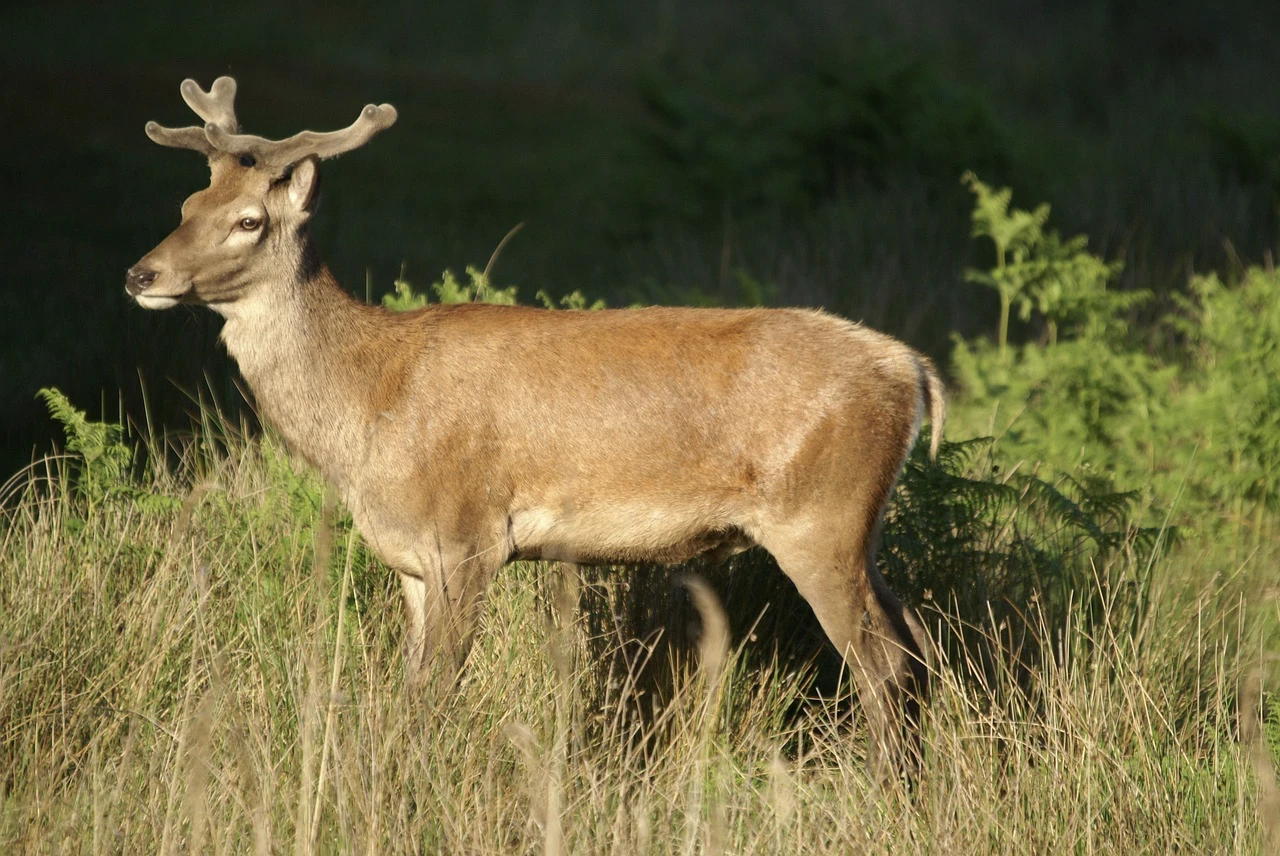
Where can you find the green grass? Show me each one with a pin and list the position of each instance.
(221, 674)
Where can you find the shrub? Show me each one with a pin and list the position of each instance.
(477, 289)
(1194, 428)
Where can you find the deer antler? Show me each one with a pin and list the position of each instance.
(372, 119)
(220, 134)
(216, 107)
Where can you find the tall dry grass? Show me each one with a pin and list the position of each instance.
(224, 677)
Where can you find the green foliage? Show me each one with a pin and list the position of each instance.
(477, 289)
(790, 138)
(575, 300)
(1084, 401)
(960, 527)
(1038, 271)
(1084, 405)
(1015, 550)
(1226, 408)
(449, 289)
(296, 492)
(101, 461)
(404, 298)
(1197, 430)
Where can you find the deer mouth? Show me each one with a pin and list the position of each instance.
(157, 301)
(151, 290)
(159, 298)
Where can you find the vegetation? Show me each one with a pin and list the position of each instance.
(1184, 410)
(225, 676)
(202, 656)
(199, 654)
(790, 140)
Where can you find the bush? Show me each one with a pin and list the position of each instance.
(477, 289)
(1223, 421)
(1193, 425)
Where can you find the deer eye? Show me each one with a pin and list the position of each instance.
(249, 224)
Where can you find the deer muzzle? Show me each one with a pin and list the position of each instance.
(138, 279)
(155, 289)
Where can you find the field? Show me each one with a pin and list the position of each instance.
(199, 654)
(212, 666)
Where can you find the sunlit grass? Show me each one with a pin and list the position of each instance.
(224, 677)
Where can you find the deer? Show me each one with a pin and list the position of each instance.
(462, 437)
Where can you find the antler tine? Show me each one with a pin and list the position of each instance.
(280, 153)
(215, 107)
(181, 138)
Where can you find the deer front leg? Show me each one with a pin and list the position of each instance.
(414, 589)
(443, 600)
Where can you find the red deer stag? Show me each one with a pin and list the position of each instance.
(464, 437)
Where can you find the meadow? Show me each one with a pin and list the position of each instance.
(198, 654)
(202, 657)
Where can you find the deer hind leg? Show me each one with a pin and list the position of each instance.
(893, 638)
(881, 641)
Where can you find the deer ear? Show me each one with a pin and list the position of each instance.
(303, 184)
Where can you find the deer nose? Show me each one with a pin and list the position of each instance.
(138, 279)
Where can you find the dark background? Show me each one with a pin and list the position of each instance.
(691, 151)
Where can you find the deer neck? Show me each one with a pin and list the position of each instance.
(305, 348)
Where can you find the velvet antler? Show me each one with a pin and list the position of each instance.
(221, 135)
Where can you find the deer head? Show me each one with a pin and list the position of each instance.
(248, 227)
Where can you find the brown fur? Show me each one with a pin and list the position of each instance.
(463, 437)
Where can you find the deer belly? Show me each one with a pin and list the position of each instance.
(623, 532)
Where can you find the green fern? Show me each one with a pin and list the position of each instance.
(404, 298)
(1194, 423)
(574, 300)
(1230, 399)
(477, 289)
(1040, 272)
(102, 462)
(1012, 551)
